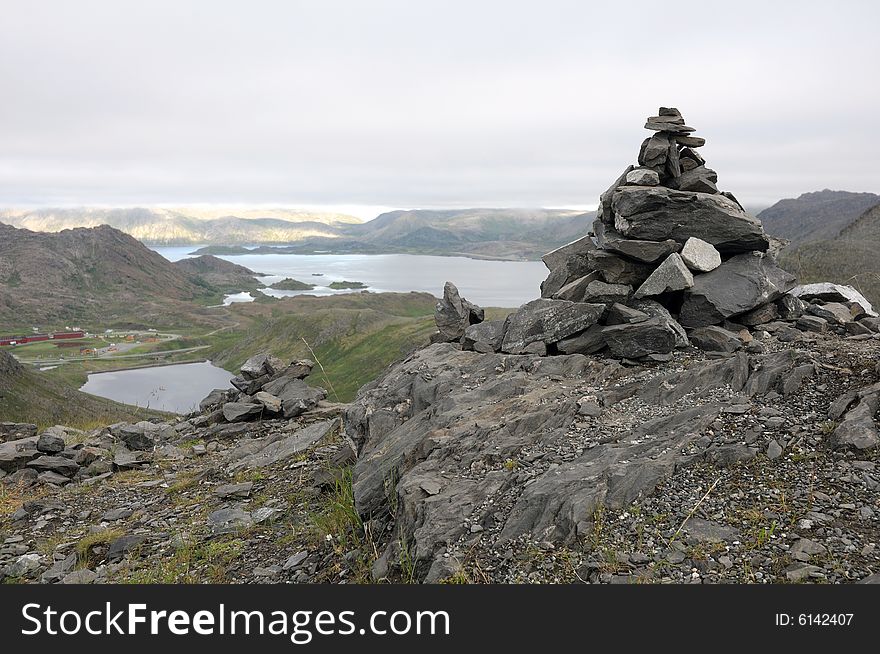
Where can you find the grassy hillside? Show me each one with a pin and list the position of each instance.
(850, 258)
(817, 216)
(27, 395)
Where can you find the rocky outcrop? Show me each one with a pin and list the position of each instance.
(462, 452)
(454, 314)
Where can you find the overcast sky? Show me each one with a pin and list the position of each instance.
(426, 104)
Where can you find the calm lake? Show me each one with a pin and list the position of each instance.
(488, 283)
(178, 388)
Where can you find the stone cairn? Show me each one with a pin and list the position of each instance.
(671, 261)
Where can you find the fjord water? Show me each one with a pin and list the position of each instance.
(488, 283)
(177, 388)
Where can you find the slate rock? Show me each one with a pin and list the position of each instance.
(238, 411)
(828, 292)
(700, 256)
(547, 321)
(834, 312)
(616, 269)
(229, 520)
(740, 284)
(269, 401)
(646, 251)
(858, 429)
(558, 257)
(639, 339)
(643, 177)
(57, 464)
(50, 443)
(671, 275)
(656, 310)
(714, 339)
(124, 545)
(812, 324)
(453, 314)
(134, 436)
(296, 396)
(659, 213)
(574, 291)
(601, 293)
(239, 491)
(261, 364)
(699, 180)
(790, 307)
(485, 336)
(619, 314)
(80, 577)
(589, 341)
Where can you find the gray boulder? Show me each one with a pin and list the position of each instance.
(50, 443)
(453, 314)
(647, 251)
(700, 256)
(812, 324)
(214, 399)
(699, 179)
(13, 431)
(547, 321)
(58, 464)
(134, 436)
(671, 275)
(634, 340)
(643, 177)
(828, 292)
(485, 336)
(714, 339)
(269, 401)
(589, 341)
(558, 257)
(737, 286)
(659, 213)
(656, 310)
(858, 429)
(607, 294)
(834, 312)
(296, 396)
(261, 364)
(574, 291)
(619, 314)
(616, 269)
(239, 411)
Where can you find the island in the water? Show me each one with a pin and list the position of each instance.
(289, 284)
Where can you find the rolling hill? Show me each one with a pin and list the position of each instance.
(98, 275)
(816, 216)
(187, 226)
(851, 257)
(30, 396)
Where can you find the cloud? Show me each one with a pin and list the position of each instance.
(430, 104)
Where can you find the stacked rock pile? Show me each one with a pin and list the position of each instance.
(671, 259)
(265, 388)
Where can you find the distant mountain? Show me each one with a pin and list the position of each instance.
(187, 226)
(86, 275)
(516, 234)
(851, 257)
(815, 216)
